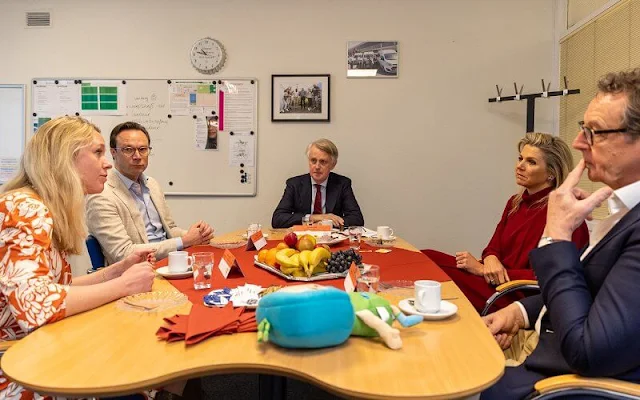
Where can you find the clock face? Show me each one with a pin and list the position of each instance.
(207, 55)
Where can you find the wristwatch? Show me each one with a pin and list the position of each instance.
(545, 240)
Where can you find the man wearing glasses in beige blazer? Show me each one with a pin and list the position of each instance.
(131, 212)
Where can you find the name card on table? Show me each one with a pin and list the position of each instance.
(351, 280)
(229, 265)
(256, 241)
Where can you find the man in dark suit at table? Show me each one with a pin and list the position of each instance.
(587, 314)
(321, 194)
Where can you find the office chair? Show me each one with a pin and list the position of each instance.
(564, 386)
(95, 253)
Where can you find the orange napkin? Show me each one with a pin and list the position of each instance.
(204, 322)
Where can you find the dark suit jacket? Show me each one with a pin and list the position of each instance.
(592, 326)
(296, 201)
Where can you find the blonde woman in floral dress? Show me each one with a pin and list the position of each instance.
(41, 222)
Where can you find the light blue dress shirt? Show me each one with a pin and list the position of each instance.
(142, 197)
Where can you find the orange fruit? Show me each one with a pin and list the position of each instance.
(270, 259)
(282, 245)
(262, 255)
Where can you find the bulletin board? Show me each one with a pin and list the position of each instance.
(12, 131)
(182, 116)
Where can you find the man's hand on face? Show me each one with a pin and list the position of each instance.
(569, 205)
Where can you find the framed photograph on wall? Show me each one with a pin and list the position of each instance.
(300, 98)
(372, 59)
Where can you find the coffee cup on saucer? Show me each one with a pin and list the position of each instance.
(179, 261)
(427, 296)
(384, 232)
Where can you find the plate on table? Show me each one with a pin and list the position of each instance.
(229, 245)
(375, 242)
(447, 309)
(318, 277)
(164, 272)
(332, 239)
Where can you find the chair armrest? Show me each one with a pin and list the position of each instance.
(508, 287)
(574, 382)
(515, 284)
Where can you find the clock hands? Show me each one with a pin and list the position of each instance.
(203, 52)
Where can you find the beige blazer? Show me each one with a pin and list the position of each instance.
(114, 219)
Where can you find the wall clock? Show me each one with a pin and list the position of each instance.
(207, 55)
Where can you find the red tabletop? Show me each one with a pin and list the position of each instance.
(395, 265)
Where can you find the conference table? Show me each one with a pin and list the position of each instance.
(112, 351)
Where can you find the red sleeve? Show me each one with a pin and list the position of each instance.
(494, 246)
(580, 236)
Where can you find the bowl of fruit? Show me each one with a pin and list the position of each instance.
(303, 259)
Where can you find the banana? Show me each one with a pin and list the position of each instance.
(285, 259)
(320, 268)
(317, 255)
(304, 262)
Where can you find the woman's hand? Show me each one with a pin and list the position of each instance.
(494, 272)
(137, 279)
(467, 262)
(138, 256)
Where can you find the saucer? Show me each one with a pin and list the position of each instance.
(447, 309)
(164, 271)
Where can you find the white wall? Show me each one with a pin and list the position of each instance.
(428, 155)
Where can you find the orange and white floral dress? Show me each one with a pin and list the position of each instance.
(34, 275)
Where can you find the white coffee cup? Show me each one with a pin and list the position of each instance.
(179, 261)
(384, 232)
(327, 222)
(427, 296)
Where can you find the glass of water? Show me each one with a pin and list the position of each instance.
(202, 266)
(355, 234)
(369, 279)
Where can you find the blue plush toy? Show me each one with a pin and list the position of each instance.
(314, 316)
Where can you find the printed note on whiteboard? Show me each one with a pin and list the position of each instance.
(103, 97)
(8, 168)
(52, 99)
(241, 150)
(239, 107)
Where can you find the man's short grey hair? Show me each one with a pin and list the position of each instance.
(327, 146)
(627, 82)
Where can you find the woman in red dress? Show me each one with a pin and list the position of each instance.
(543, 164)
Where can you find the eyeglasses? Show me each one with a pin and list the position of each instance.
(129, 151)
(588, 132)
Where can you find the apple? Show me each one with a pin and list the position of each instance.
(306, 242)
(291, 239)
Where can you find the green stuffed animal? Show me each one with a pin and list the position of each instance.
(375, 316)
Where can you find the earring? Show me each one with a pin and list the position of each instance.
(550, 178)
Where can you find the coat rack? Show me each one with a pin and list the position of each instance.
(531, 98)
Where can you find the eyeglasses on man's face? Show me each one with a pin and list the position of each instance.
(129, 151)
(588, 132)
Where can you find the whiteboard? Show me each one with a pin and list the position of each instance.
(12, 129)
(179, 114)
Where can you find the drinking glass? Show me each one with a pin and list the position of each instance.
(355, 234)
(202, 266)
(306, 220)
(369, 279)
(253, 228)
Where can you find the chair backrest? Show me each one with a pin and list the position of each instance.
(95, 252)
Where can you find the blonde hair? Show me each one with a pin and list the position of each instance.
(557, 156)
(326, 146)
(47, 168)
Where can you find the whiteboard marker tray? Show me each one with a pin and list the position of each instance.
(318, 277)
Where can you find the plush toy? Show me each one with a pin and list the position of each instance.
(314, 316)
